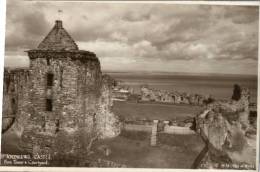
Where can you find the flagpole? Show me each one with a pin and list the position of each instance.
(59, 14)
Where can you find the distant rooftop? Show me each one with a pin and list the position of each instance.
(58, 39)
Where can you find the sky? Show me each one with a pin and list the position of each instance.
(142, 36)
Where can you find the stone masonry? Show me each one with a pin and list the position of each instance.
(61, 99)
(15, 96)
(229, 137)
(154, 133)
(149, 94)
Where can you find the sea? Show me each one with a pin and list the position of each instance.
(220, 86)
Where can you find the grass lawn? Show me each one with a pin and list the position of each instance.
(139, 111)
(133, 149)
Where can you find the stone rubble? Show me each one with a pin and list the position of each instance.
(149, 94)
(224, 126)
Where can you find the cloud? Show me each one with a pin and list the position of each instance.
(133, 16)
(24, 28)
(16, 61)
(143, 32)
(242, 15)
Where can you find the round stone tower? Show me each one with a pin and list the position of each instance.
(64, 95)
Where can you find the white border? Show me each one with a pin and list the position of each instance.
(2, 41)
(2, 55)
(210, 2)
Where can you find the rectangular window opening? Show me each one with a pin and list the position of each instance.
(50, 79)
(13, 106)
(48, 61)
(49, 104)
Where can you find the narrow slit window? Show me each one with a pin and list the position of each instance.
(61, 74)
(49, 104)
(57, 123)
(50, 79)
(43, 123)
(48, 61)
(13, 106)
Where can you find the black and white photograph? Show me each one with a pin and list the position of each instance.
(157, 85)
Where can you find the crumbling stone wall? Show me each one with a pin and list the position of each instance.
(108, 123)
(74, 95)
(229, 138)
(15, 98)
(148, 94)
(81, 102)
(62, 103)
(75, 89)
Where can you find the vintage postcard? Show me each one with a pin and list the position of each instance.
(130, 85)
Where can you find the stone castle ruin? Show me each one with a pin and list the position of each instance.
(162, 96)
(61, 103)
(229, 135)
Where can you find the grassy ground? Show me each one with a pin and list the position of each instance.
(137, 111)
(133, 149)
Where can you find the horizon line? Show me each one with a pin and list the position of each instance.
(180, 73)
(153, 72)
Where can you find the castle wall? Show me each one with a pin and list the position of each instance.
(80, 96)
(74, 93)
(148, 94)
(225, 128)
(61, 103)
(107, 123)
(15, 97)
